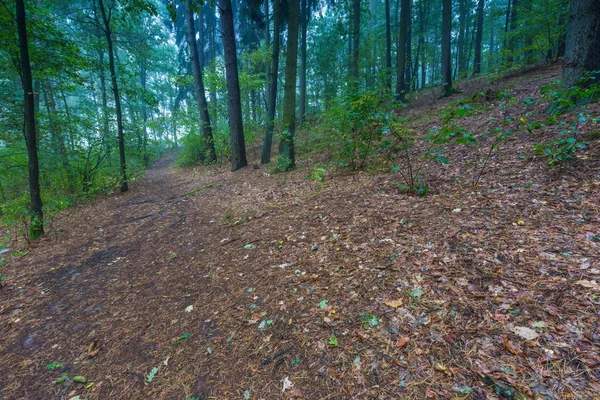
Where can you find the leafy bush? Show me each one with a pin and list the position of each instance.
(193, 151)
(353, 128)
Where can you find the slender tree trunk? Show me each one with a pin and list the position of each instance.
(408, 49)
(115, 87)
(236, 127)
(446, 41)
(55, 128)
(492, 45)
(212, 27)
(512, 42)
(287, 156)
(37, 215)
(304, 18)
(209, 144)
(355, 45)
(402, 40)
(462, 27)
(479, 37)
(272, 97)
(582, 53)
(388, 47)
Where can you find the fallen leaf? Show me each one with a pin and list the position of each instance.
(287, 383)
(403, 341)
(79, 379)
(189, 308)
(511, 347)
(525, 333)
(323, 304)
(394, 303)
(588, 284)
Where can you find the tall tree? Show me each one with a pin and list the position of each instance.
(355, 43)
(402, 40)
(37, 214)
(408, 49)
(462, 33)
(106, 20)
(304, 17)
(446, 54)
(479, 37)
(236, 127)
(209, 144)
(388, 47)
(272, 78)
(287, 156)
(582, 52)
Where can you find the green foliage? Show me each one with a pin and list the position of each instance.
(563, 149)
(192, 152)
(354, 128)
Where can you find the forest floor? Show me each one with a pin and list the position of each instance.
(209, 284)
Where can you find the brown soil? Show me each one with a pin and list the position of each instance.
(451, 279)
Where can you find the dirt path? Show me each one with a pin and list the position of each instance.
(227, 285)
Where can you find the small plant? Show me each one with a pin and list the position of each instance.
(318, 174)
(368, 321)
(559, 151)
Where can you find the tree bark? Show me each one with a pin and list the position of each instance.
(36, 228)
(272, 95)
(113, 74)
(479, 37)
(287, 156)
(582, 52)
(388, 47)
(209, 144)
(402, 40)
(304, 18)
(408, 66)
(462, 27)
(355, 45)
(236, 127)
(446, 53)
(212, 27)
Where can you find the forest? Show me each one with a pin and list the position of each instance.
(321, 199)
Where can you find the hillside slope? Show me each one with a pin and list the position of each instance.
(233, 285)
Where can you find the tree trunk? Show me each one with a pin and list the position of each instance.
(236, 127)
(212, 27)
(402, 40)
(582, 52)
(512, 41)
(462, 27)
(304, 17)
(209, 144)
(37, 215)
(446, 41)
(115, 87)
(287, 157)
(388, 47)
(55, 128)
(408, 66)
(272, 96)
(355, 45)
(479, 37)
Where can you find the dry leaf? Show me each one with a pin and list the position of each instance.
(525, 333)
(588, 284)
(287, 384)
(511, 347)
(402, 342)
(394, 303)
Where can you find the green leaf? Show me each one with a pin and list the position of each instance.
(151, 375)
(249, 246)
(417, 293)
(333, 341)
(323, 304)
(54, 365)
(79, 379)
